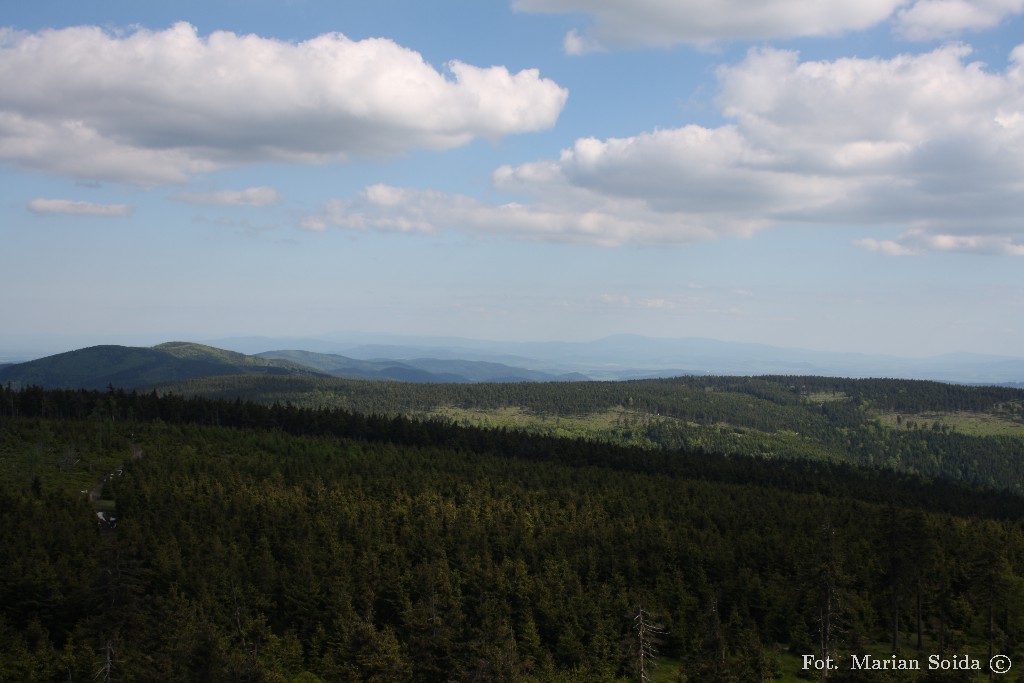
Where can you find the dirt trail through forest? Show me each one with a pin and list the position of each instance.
(96, 492)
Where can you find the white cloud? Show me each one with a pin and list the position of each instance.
(932, 142)
(73, 208)
(929, 144)
(669, 22)
(251, 196)
(156, 107)
(855, 115)
(917, 241)
(927, 19)
(575, 44)
(610, 223)
(887, 247)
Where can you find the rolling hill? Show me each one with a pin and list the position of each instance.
(418, 369)
(130, 367)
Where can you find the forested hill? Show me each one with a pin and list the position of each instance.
(129, 367)
(275, 543)
(932, 429)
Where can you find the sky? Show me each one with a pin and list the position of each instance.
(842, 176)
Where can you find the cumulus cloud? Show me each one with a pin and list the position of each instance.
(669, 22)
(155, 107)
(931, 145)
(251, 196)
(73, 208)
(933, 141)
(927, 19)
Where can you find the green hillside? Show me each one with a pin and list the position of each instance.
(130, 367)
(351, 368)
(964, 433)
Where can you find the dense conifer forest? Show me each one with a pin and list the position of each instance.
(245, 541)
(931, 429)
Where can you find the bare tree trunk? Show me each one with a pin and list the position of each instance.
(648, 633)
(918, 613)
(896, 623)
(108, 665)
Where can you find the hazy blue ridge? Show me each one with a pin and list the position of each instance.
(455, 360)
(417, 369)
(626, 356)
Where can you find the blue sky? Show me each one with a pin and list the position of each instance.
(848, 178)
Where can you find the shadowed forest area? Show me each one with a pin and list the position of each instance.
(276, 542)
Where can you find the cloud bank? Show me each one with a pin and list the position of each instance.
(73, 208)
(662, 23)
(611, 223)
(931, 145)
(251, 196)
(154, 107)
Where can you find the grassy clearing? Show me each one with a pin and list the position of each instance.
(643, 430)
(826, 396)
(514, 416)
(965, 422)
(593, 425)
(666, 670)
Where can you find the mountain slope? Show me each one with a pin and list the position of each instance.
(417, 369)
(351, 368)
(130, 367)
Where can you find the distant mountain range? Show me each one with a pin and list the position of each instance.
(627, 356)
(418, 369)
(132, 367)
(425, 359)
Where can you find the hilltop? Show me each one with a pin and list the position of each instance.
(130, 367)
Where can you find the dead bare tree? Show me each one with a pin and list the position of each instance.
(648, 633)
(108, 665)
